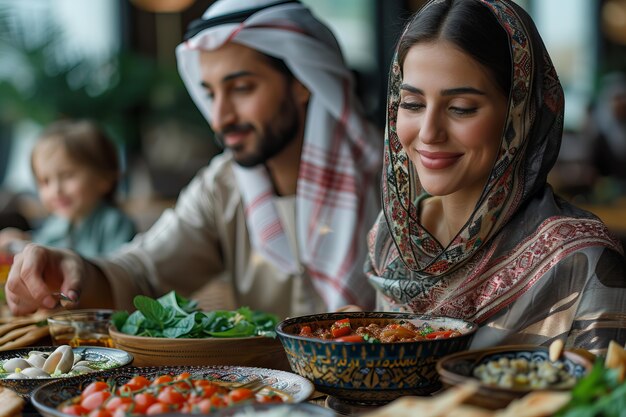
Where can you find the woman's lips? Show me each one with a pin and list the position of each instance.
(438, 160)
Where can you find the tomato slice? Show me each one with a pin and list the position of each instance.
(95, 386)
(74, 410)
(306, 331)
(240, 394)
(354, 338)
(442, 334)
(95, 400)
(143, 401)
(341, 328)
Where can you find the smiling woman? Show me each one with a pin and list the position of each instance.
(470, 228)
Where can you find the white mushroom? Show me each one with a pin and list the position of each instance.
(12, 364)
(36, 360)
(17, 375)
(82, 363)
(60, 361)
(81, 369)
(35, 373)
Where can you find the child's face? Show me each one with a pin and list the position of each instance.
(66, 188)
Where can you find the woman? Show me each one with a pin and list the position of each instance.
(470, 228)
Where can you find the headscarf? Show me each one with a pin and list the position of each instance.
(335, 203)
(469, 278)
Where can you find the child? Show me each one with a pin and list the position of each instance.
(77, 170)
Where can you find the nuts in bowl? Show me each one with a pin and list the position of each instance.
(506, 373)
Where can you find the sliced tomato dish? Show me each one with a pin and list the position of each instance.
(401, 331)
(166, 393)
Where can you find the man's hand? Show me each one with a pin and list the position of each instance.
(37, 272)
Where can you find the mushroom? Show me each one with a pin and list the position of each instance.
(16, 363)
(82, 369)
(35, 373)
(60, 361)
(37, 360)
(17, 375)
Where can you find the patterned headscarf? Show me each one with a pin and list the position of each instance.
(528, 151)
(335, 202)
(409, 265)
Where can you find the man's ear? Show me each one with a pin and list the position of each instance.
(300, 92)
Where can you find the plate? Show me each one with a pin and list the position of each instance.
(47, 397)
(249, 410)
(91, 353)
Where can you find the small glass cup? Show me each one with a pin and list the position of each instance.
(6, 260)
(81, 328)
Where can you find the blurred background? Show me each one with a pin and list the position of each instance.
(113, 61)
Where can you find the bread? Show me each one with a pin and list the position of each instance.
(11, 404)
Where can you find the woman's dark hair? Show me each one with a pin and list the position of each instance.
(87, 144)
(469, 25)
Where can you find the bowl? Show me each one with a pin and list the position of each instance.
(259, 351)
(457, 369)
(48, 397)
(88, 327)
(370, 373)
(115, 359)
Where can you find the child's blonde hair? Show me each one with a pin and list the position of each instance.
(87, 144)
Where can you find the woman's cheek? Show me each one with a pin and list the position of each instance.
(406, 129)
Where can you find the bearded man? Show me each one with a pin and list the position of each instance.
(282, 214)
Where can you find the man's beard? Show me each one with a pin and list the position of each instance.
(271, 140)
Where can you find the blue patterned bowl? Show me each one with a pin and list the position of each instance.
(370, 373)
(458, 368)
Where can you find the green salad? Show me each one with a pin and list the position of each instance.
(598, 394)
(174, 316)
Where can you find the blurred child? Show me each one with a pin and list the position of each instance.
(77, 170)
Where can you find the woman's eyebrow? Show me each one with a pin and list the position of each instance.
(446, 92)
(461, 90)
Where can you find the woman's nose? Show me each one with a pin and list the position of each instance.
(222, 113)
(432, 127)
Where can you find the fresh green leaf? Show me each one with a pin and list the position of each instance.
(241, 329)
(181, 327)
(175, 316)
(118, 318)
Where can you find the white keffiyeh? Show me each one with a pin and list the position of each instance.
(336, 202)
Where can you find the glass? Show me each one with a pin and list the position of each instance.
(6, 260)
(81, 328)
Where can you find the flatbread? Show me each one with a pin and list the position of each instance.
(435, 406)
(616, 359)
(11, 404)
(536, 404)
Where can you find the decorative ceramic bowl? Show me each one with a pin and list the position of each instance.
(259, 351)
(115, 358)
(48, 397)
(371, 372)
(458, 368)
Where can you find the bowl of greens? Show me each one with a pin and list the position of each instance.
(172, 331)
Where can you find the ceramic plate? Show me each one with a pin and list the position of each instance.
(116, 358)
(281, 410)
(47, 397)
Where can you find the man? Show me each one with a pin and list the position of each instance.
(282, 213)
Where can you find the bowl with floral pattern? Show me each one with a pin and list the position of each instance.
(384, 356)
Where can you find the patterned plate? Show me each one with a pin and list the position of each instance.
(48, 397)
(116, 358)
